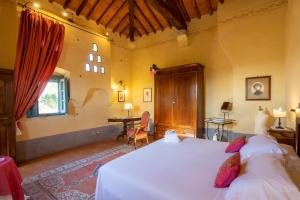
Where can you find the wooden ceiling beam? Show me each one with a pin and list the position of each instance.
(183, 10)
(131, 20)
(169, 10)
(120, 22)
(93, 9)
(141, 24)
(105, 11)
(66, 4)
(139, 33)
(197, 9)
(210, 7)
(115, 14)
(81, 6)
(124, 29)
(154, 16)
(222, 1)
(146, 19)
(51, 1)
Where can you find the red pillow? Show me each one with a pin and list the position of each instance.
(228, 171)
(236, 145)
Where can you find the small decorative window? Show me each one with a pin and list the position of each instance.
(87, 67)
(95, 68)
(99, 60)
(91, 57)
(95, 47)
(102, 70)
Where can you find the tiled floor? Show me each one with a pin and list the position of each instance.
(33, 167)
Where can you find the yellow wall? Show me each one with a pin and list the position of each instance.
(8, 33)
(292, 58)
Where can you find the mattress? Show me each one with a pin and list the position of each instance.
(169, 171)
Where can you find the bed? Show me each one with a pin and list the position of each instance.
(169, 171)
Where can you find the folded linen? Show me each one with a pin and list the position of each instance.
(171, 136)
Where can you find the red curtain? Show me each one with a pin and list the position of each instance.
(39, 47)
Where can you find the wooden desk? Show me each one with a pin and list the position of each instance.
(284, 136)
(126, 122)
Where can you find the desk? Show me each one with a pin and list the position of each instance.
(220, 127)
(126, 122)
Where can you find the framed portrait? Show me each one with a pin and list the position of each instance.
(147, 94)
(121, 96)
(258, 88)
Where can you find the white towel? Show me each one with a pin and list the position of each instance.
(171, 136)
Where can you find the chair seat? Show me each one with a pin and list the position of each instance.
(139, 134)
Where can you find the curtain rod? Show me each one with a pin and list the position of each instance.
(65, 22)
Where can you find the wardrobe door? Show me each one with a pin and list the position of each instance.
(185, 104)
(7, 122)
(163, 103)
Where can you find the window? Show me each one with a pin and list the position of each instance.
(102, 70)
(99, 60)
(91, 57)
(95, 47)
(95, 68)
(53, 100)
(94, 60)
(87, 67)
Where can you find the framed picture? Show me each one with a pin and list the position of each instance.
(147, 94)
(258, 88)
(121, 96)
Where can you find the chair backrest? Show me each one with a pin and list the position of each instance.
(145, 120)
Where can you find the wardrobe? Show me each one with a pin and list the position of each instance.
(7, 122)
(179, 100)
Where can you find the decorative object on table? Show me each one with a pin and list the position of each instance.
(171, 137)
(279, 113)
(219, 131)
(258, 88)
(121, 96)
(154, 69)
(284, 136)
(226, 108)
(260, 124)
(147, 95)
(128, 107)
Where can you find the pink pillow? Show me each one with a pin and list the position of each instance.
(236, 145)
(228, 171)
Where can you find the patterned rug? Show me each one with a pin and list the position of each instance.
(73, 181)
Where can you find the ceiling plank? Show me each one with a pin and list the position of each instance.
(197, 9)
(183, 10)
(120, 22)
(105, 11)
(51, 1)
(66, 4)
(83, 3)
(146, 19)
(222, 1)
(124, 29)
(168, 9)
(131, 20)
(93, 9)
(115, 14)
(210, 9)
(154, 16)
(139, 33)
(141, 25)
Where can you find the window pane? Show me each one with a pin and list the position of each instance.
(102, 70)
(91, 57)
(95, 68)
(99, 60)
(62, 97)
(48, 101)
(95, 47)
(87, 67)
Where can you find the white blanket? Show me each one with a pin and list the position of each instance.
(168, 171)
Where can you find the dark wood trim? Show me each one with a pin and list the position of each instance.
(298, 136)
(141, 24)
(183, 10)
(131, 20)
(210, 7)
(146, 19)
(270, 89)
(81, 6)
(122, 31)
(105, 11)
(197, 9)
(93, 8)
(115, 14)
(66, 4)
(138, 32)
(120, 22)
(154, 16)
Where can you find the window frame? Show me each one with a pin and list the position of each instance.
(34, 110)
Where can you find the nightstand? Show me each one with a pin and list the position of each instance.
(284, 136)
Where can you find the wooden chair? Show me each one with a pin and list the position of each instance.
(139, 132)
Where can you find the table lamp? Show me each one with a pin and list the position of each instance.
(128, 107)
(279, 113)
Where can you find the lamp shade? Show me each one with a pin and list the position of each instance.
(279, 113)
(128, 106)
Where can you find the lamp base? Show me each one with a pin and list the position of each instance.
(279, 124)
(279, 127)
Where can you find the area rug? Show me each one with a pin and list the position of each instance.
(73, 181)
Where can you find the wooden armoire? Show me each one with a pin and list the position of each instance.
(7, 122)
(179, 100)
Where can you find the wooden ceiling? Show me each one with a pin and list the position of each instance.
(141, 17)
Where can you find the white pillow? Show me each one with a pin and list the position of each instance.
(260, 144)
(263, 177)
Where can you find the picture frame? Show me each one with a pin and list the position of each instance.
(258, 88)
(121, 96)
(147, 95)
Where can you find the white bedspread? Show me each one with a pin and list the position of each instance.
(164, 171)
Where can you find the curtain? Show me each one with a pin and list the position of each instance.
(39, 47)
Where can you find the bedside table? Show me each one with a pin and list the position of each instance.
(284, 136)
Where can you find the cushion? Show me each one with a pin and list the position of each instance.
(236, 145)
(263, 177)
(228, 171)
(260, 144)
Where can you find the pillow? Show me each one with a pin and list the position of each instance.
(236, 145)
(260, 144)
(228, 171)
(263, 177)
